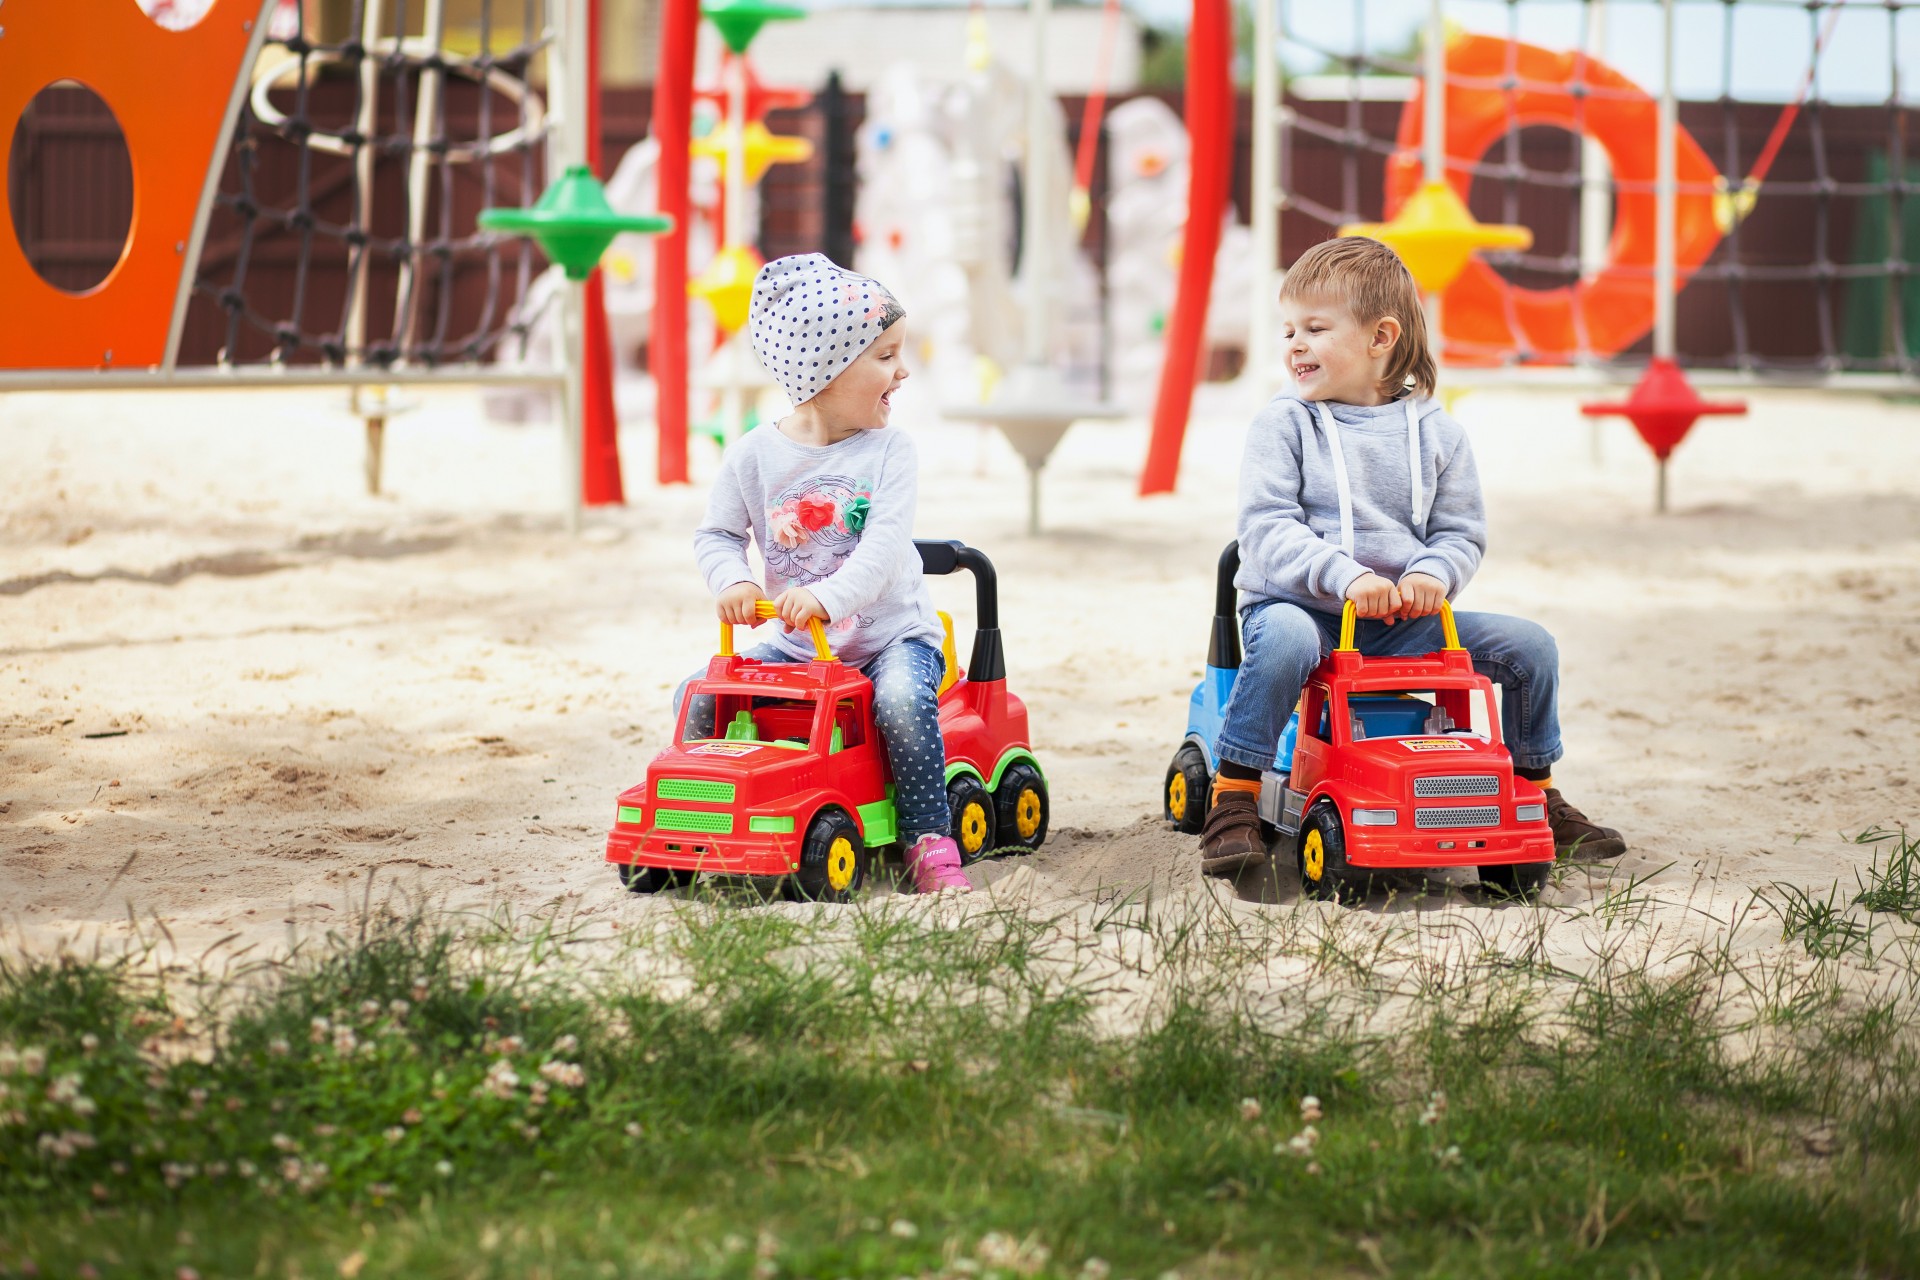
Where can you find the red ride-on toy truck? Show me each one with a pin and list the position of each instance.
(796, 783)
(1390, 763)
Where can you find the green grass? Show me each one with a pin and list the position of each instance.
(1112, 1090)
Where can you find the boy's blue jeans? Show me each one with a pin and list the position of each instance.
(906, 710)
(1283, 643)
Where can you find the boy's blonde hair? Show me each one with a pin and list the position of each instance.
(1369, 279)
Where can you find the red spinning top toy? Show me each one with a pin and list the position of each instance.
(1663, 408)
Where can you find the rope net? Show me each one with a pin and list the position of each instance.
(344, 232)
(1798, 233)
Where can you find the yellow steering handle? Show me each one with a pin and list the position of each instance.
(1350, 613)
(764, 609)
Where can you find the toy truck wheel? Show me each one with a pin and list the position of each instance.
(973, 817)
(1184, 798)
(833, 860)
(1517, 880)
(1324, 871)
(651, 879)
(1020, 807)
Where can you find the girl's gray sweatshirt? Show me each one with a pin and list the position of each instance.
(836, 519)
(1331, 491)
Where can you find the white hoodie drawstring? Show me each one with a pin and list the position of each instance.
(1331, 428)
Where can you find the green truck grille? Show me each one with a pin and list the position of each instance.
(718, 824)
(694, 789)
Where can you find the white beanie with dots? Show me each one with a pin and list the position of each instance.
(810, 319)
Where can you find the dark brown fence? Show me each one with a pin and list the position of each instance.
(1814, 277)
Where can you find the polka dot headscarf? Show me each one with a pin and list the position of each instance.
(809, 320)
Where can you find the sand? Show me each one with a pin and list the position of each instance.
(233, 686)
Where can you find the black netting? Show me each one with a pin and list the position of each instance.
(1815, 267)
(345, 226)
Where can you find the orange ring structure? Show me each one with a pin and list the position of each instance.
(170, 92)
(1486, 316)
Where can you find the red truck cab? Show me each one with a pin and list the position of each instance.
(1399, 764)
(795, 781)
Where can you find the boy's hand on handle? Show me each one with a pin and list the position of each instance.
(1374, 597)
(797, 607)
(735, 604)
(1421, 595)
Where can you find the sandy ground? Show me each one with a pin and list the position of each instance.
(232, 685)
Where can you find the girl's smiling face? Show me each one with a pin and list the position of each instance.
(1333, 356)
(861, 398)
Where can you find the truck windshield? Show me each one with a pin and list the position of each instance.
(1417, 713)
(745, 717)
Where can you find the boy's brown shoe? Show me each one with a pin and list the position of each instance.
(1577, 838)
(1230, 841)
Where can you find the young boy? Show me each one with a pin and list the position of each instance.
(1358, 487)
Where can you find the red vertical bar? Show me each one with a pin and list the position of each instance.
(673, 128)
(1210, 130)
(600, 454)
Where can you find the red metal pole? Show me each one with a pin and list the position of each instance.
(1210, 130)
(673, 130)
(600, 455)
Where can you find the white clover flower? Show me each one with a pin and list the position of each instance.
(1095, 1269)
(1449, 1158)
(568, 1075)
(903, 1229)
(1313, 1168)
(633, 1129)
(369, 1009)
(566, 1044)
(279, 1047)
(245, 1168)
(281, 1142)
(411, 1116)
(319, 1029)
(396, 1134)
(33, 1060)
(89, 1042)
(9, 1059)
(501, 1080)
(1249, 1109)
(64, 1089)
(444, 1168)
(344, 1040)
(1309, 1109)
(198, 1097)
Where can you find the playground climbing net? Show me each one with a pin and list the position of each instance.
(344, 232)
(1797, 209)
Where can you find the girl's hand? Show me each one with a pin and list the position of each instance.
(797, 607)
(1421, 595)
(1374, 597)
(735, 604)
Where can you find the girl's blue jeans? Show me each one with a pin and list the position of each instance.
(906, 710)
(1283, 643)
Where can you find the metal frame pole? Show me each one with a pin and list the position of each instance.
(572, 90)
(1433, 140)
(1265, 200)
(1665, 283)
(1664, 240)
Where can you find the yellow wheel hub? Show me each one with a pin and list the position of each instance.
(1177, 795)
(1313, 857)
(1026, 813)
(840, 863)
(973, 827)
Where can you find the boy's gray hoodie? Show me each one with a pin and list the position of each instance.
(1331, 491)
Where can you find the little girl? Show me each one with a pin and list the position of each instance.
(828, 494)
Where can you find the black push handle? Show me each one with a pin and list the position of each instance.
(943, 557)
(1223, 647)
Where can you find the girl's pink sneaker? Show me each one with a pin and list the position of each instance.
(934, 863)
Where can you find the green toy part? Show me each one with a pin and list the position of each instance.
(573, 224)
(739, 21)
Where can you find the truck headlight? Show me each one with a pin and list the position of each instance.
(1375, 817)
(1530, 813)
(630, 815)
